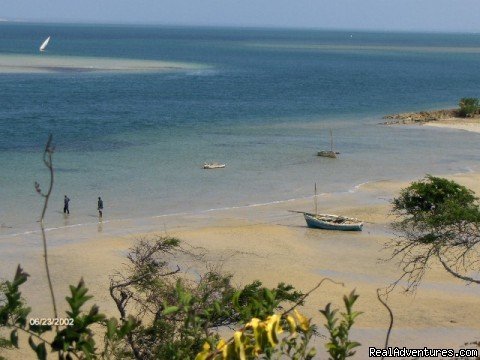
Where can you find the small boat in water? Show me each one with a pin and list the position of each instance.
(332, 222)
(44, 44)
(213, 166)
(326, 153)
(329, 153)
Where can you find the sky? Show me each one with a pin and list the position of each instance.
(384, 15)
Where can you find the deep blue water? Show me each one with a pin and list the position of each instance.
(262, 101)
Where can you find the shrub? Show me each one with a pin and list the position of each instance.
(437, 219)
(469, 107)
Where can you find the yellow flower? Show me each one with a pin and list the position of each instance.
(303, 321)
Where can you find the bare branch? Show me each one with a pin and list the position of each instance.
(387, 338)
(302, 299)
(457, 275)
(48, 161)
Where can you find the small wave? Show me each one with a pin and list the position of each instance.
(359, 186)
(465, 170)
(202, 72)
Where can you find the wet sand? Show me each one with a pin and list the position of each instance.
(270, 244)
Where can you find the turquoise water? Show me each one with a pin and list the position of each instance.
(261, 101)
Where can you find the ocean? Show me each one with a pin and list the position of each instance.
(137, 110)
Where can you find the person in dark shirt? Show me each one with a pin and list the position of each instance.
(100, 207)
(66, 202)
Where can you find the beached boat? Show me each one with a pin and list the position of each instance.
(329, 221)
(44, 44)
(213, 166)
(329, 153)
(332, 222)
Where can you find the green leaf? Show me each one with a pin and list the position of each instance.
(111, 328)
(170, 310)
(20, 276)
(352, 345)
(32, 344)
(235, 299)
(41, 352)
(127, 327)
(216, 305)
(14, 338)
(269, 295)
(311, 354)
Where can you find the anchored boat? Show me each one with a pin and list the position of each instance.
(213, 166)
(329, 153)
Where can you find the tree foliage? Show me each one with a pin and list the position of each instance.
(340, 346)
(436, 219)
(75, 340)
(180, 313)
(469, 107)
(287, 336)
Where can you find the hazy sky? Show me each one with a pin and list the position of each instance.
(424, 15)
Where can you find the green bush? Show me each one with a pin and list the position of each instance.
(469, 107)
(437, 219)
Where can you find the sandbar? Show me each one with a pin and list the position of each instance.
(46, 63)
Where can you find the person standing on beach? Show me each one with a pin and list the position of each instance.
(100, 207)
(66, 201)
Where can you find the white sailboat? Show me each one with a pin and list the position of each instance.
(44, 44)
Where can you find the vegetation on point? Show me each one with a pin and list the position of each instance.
(469, 107)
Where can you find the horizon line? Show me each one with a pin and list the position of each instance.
(232, 26)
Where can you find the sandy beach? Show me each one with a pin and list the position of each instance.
(270, 244)
(446, 118)
(472, 125)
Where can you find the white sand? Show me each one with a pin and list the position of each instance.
(472, 125)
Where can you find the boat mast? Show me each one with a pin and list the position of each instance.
(331, 140)
(316, 200)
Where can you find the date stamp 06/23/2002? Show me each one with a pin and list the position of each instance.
(51, 321)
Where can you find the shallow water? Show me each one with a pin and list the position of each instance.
(261, 101)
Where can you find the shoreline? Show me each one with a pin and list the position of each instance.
(251, 242)
(445, 118)
(152, 218)
(354, 189)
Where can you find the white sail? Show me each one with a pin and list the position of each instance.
(44, 44)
